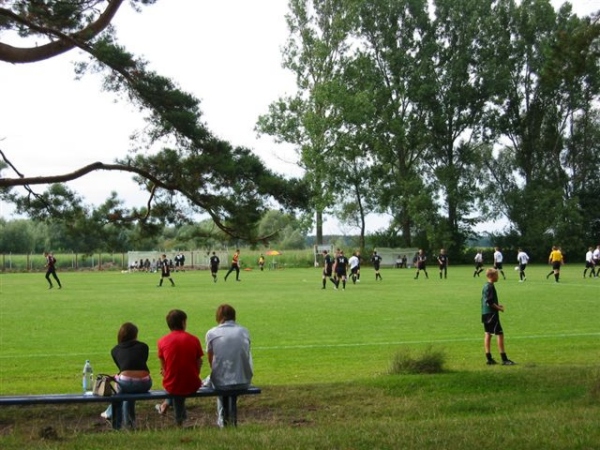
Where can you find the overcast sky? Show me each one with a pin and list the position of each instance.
(226, 52)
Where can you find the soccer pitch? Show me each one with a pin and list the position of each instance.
(301, 334)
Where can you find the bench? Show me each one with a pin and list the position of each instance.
(229, 401)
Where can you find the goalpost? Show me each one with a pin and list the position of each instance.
(397, 257)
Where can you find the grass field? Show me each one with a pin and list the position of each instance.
(322, 358)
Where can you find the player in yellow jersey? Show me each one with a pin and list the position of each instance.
(556, 259)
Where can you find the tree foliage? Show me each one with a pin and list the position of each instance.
(192, 172)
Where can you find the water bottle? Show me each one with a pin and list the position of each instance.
(88, 378)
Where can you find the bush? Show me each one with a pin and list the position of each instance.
(429, 361)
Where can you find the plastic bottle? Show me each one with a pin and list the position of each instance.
(88, 378)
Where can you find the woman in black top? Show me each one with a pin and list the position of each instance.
(131, 358)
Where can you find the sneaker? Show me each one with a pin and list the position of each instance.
(491, 362)
(508, 362)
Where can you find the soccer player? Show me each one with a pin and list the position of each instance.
(523, 259)
(443, 263)
(420, 260)
(165, 271)
(51, 270)
(354, 263)
(328, 269)
(340, 268)
(589, 262)
(376, 260)
(235, 265)
(596, 256)
(556, 259)
(490, 317)
(214, 266)
(478, 263)
(498, 258)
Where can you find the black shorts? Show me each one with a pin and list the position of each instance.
(589, 265)
(498, 266)
(327, 272)
(214, 269)
(376, 266)
(522, 267)
(340, 273)
(491, 323)
(556, 265)
(354, 270)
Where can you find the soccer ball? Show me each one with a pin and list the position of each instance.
(516, 267)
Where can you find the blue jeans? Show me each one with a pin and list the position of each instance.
(129, 386)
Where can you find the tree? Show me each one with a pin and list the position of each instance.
(194, 173)
(392, 38)
(539, 94)
(455, 92)
(314, 52)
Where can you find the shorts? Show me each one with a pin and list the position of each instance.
(589, 265)
(556, 265)
(327, 272)
(354, 270)
(522, 267)
(491, 323)
(498, 266)
(214, 269)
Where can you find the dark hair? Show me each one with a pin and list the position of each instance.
(176, 319)
(225, 312)
(127, 332)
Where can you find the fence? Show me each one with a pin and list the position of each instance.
(104, 261)
(65, 261)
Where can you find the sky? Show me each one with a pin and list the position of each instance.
(227, 53)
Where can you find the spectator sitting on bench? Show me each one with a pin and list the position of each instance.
(229, 356)
(180, 355)
(131, 358)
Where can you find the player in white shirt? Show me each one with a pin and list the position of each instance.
(589, 262)
(354, 264)
(478, 263)
(596, 256)
(498, 258)
(523, 259)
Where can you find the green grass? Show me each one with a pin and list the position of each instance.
(322, 357)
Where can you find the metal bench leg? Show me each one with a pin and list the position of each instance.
(117, 414)
(230, 411)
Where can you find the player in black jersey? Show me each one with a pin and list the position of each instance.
(340, 268)
(443, 263)
(376, 260)
(328, 269)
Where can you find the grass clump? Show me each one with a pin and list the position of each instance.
(427, 361)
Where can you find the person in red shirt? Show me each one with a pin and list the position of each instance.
(180, 355)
